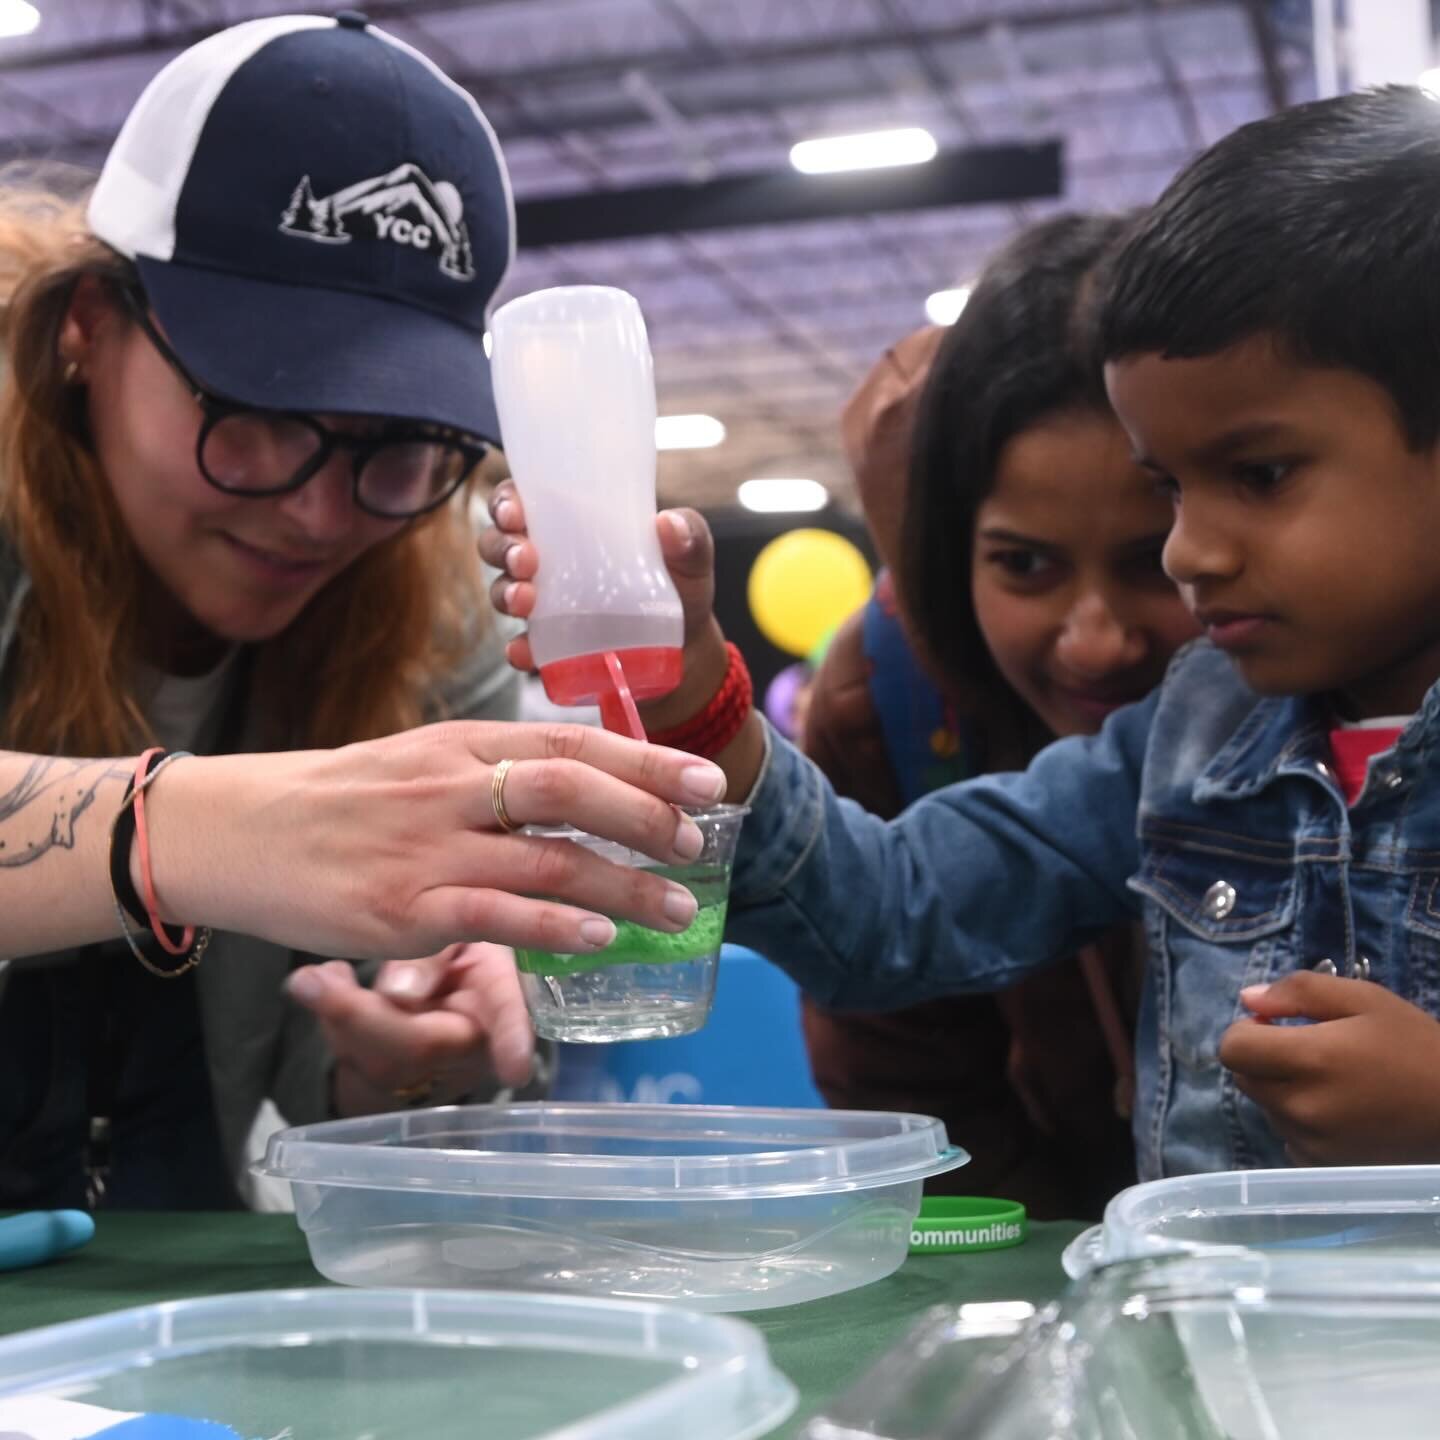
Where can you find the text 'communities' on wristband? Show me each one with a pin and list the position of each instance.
(955, 1224)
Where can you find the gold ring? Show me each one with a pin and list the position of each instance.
(417, 1094)
(497, 796)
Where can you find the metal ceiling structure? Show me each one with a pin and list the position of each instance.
(766, 324)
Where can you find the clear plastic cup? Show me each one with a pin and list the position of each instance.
(646, 984)
(575, 389)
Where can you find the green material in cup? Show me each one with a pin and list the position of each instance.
(637, 945)
(646, 983)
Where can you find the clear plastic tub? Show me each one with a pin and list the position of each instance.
(394, 1365)
(1375, 1207)
(1237, 1346)
(646, 984)
(708, 1207)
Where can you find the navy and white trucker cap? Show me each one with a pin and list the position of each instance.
(320, 218)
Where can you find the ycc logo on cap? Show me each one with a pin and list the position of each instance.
(404, 207)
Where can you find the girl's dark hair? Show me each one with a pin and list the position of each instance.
(1024, 348)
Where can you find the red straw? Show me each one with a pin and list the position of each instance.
(617, 708)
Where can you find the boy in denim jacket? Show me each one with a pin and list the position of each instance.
(1272, 811)
(1272, 338)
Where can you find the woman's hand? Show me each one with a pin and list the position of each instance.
(448, 1026)
(393, 847)
(689, 551)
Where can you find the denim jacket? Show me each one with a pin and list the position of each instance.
(1210, 812)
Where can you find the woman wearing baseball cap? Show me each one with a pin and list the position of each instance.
(245, 392)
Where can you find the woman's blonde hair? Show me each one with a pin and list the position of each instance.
(358, 662)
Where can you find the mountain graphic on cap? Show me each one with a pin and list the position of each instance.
(319, 218)
(435, 205)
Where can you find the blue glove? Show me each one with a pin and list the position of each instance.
(41, 1235)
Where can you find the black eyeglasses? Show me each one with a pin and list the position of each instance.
(398, 472)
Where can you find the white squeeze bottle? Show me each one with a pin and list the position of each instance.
(575, 391)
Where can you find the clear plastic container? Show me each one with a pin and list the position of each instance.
(1239, 1346)
(575, 391)
(395, 1365)
(647, 984)
(1374, 1207)
(706, 1206)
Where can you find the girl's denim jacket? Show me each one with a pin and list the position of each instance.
(1208, 811)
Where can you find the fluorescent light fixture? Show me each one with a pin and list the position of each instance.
(944, 306)
(17, 17)
(773, 497)
(1429, 82)
(489, 344)
(688, 432)
(869, 151)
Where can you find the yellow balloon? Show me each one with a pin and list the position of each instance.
(803, 584)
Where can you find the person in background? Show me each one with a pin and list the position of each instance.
(883, 757)
(1036, 1080)
(244, 392)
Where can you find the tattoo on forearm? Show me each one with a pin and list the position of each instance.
(39, 813)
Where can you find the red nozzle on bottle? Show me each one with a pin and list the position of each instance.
(649, 670)
(615, 680)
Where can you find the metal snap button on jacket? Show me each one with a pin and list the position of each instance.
(1219, 900)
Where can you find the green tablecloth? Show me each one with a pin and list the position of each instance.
(137, 1259)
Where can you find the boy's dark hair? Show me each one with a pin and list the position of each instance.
(1319, 227)
(1022, 350)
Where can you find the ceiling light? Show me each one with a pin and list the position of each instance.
(1429, 82)
(944, 306)
(688, 432)
(17, 17)
(869, 151)
(771, 497)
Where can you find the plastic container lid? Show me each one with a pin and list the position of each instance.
(1384, 1207)
(1240, 1345)
(395, 1364)
(616, 1152)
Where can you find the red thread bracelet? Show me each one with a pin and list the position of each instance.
(713, 728)
(147, 881)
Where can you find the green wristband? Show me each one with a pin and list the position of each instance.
(961, 1224)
